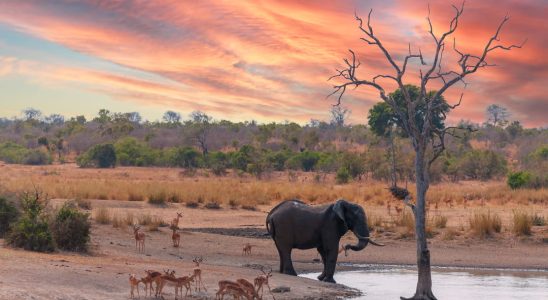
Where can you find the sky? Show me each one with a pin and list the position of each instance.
(264, 60)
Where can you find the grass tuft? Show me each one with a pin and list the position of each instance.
(102, 216)
(485, 224)
(522, 223)
(440, 221)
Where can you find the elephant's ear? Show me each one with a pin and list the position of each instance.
(339, 208)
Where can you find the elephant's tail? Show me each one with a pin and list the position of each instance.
(270, 226)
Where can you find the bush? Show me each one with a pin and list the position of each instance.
(482, 164)
(131, 152)
(519, 179)
(71, 228)
(8, 215)
(192, 204)
(83, 204)
(305, 161)
(12, 153)
(186, 157)
(343, 176)
(37, 157)
(485, 224)
(213, 205)
(101, 156)
(522, 223)
(538, 220)
(31, 231)
(218, 162)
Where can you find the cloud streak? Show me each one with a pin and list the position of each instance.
(270, 60)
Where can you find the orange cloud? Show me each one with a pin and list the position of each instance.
(271, 59)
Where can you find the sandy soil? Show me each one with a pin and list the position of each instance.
(103, 273)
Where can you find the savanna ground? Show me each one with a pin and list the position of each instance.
(118, 197)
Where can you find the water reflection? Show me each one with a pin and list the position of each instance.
(376, 283)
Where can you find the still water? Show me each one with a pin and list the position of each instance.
(448, 284)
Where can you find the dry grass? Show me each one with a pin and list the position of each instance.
(450, 234)
(375, 222)
(83, 204)
(485, 224)
(439, 221)
(103, 216)
(522, 223)
(129, 219)
(117, 221)
(152, 222)
(169, 186)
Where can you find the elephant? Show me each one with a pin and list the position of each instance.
(294, 224)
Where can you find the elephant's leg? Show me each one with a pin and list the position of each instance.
(330, 264)
(322, 254)
(287, 263)
(281, 258)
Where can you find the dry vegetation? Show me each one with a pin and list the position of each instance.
(465, 209)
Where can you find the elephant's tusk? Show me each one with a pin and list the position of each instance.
(370, 240)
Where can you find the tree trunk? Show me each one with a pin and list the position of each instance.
(424, 283)
(393, 150)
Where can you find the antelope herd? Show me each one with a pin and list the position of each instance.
(237, 289)
(155, 281)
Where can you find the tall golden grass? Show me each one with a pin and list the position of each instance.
(140, 184)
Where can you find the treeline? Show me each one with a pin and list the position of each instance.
(352, 152)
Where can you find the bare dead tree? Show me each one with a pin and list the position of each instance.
(427, 140)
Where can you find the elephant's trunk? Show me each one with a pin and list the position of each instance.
(363, 240)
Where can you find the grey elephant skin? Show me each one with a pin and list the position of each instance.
(293, 224)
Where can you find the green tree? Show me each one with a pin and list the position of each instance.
(101, 156)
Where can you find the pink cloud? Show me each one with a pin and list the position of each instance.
(271, 59)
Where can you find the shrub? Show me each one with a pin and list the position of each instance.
(31, 231)
(305, 161)
(12, 153)
(343, 176)
(482, 164)
(192, 204)
(538, 220)
(354, 164)
(485, 224)
(83, 204)
(218, 162)
(71, 228)
(37, 157)
(519, 179)
(101, 156)
(102, 216)
(186, 157)
(8, 215)
(131, 152)
(213, 205)
(522, 223)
